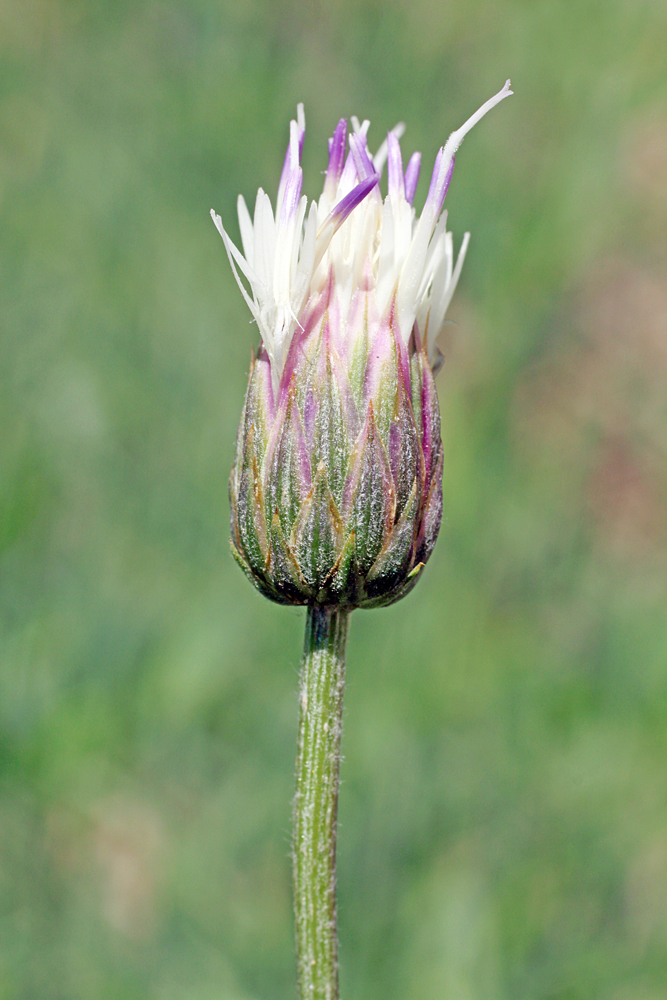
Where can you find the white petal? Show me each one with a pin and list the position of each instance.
(298, 238)
(247, 235)
(234, 255)
(386, 275)
(438, 315)
(265, 239)
(305, 268)
(434, 254)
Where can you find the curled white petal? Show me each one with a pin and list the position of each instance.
(456, 138)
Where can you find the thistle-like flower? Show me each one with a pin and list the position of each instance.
(336, 488)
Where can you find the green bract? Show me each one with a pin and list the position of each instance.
(336, 490)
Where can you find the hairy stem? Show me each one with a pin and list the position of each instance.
(316, 802)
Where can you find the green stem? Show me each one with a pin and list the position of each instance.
(316, 802)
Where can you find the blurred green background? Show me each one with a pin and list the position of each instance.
(503, 815)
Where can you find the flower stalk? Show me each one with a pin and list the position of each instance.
(336, 488)
(316, 801)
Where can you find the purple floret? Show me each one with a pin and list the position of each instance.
(394, 165)
(439, 184)
(412, 176)
(336, 157)
(291, 164)
(351, 200)
(362, 161)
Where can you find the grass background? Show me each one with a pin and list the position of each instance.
(504, 801)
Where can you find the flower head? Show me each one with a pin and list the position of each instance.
(336, 488)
